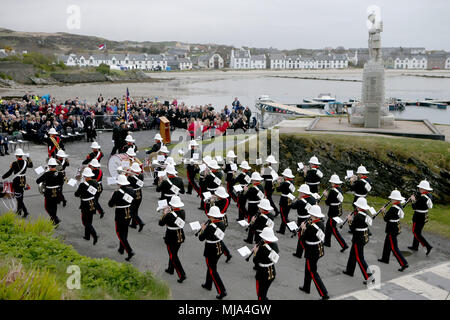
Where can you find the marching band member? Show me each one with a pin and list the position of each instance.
(86, 192)
(63, 163)
(136, 180)
(129, 144)
(303, 204)
(313, 175)
(53, 180)
(254, 193)
(157, 145)
(313, 238)
(266, 173)
(174, 218)
(230, 159)
(285, 188)
(19, 180)
(360, 185)
(266, 255)
(392, 218)
(159, 165)
(202, 180)
(214, 178)
(334, 202)
(359, 228)
(95, 154)
(212, 233)
(243, 178)
(263, 219)
(421, 204)
(54, 143)
(170, 185)
(191, 168)
(98, 176)
(122, 199)
(221, 199)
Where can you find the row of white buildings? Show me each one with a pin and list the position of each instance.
(419, 61)
(242, 59)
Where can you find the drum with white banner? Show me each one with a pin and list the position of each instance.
(118, 160)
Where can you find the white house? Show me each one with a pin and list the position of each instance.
(277, 61)
(447, 63)
(211, 61)
(410, 62)
(293, 62)
(184, 64)
(308, 63)
(258, 62)
(240, 59)
(129, 61)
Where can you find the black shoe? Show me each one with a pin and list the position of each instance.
(228, 258)
(189, 192)
(276, 214)
(200, 208)
(25, 214)
(248, 241)
(344, 248)
(7, 153)
(280, 232)
(2, 154)
(304, 290)
(350, 231)
(367, 281)
(130, 255)
(141, 226)
(86, 238)
(222, 295)
(255, 268)
(349, 274)
(327, 245)
(181, 279)
(19, 213)
(95, 240)
(413, 249)
(384, 261)
(297, 255)
(102, 214)
(205, 287)
(64, 203)
(133, 226)
(120, 251)
(169, 271)
(325, 297)
(428, 250)
(403, 268)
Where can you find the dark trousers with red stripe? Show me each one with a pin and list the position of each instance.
(192, 183)
(86, 219)
(231, 191)
(122, 234)
(330, 229)
(269, 197)
(226, 251)
(357, 255)
(311, 274)
(242, 212)
(284, 212)
(262, 287)
(174, 261)
(390, 244)
(51, 206)
(134, 212)
(20, 205)
(418, 237)
(212, 275)
(98, 207)
(300, 245)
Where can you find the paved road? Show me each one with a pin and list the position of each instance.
(237, 275)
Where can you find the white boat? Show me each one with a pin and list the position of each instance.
(263, 98)
(324, 97)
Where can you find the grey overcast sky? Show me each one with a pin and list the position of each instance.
(283, 24)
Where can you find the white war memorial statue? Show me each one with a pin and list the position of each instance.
(373, 110)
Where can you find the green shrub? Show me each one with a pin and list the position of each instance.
(34, 245)
(103, 68)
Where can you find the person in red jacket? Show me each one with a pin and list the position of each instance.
(192, 128)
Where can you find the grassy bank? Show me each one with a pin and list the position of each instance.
(31, 257)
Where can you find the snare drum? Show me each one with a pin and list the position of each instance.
(118, 160)
(8, 190)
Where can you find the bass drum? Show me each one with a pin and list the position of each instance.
(118, 160)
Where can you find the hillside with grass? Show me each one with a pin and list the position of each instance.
(34, 264)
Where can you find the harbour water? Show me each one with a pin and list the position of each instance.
(219, 88)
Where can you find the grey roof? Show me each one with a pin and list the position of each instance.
(184, 60)
(258, 57)
(340, 57)
(294, 58)
(277, 56)
(324, 57)
(205, 57)
(241, 53)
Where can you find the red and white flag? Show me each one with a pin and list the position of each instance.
(102, 46)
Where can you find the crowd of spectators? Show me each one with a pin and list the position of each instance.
(30, 117)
